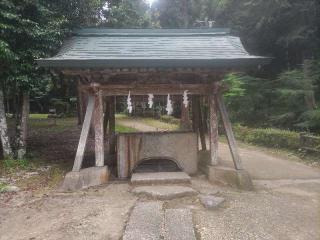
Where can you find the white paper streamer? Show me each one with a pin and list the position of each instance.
(185, 98)
(169, 107)
(150, 100)
(129, 104)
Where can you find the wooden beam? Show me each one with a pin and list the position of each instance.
(84, 134)
(98, 129)
(157, 89)
(213, 129)
(230, 136)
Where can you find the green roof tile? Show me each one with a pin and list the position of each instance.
(99, 48)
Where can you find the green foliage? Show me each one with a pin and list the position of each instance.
(3, 187)
(235, 86)
(268, 137)
(127, 14)
(11, 165)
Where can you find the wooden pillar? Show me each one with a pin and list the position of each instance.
(80, 104)
(213, 129)
(229, 133)
(98, 129)
(84, 134)
(185, 118)
(112, 125)
(201, 128)
(195, 113)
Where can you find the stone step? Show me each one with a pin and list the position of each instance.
(160, 178)
(145, 222)
(164, 192)
(178, 225)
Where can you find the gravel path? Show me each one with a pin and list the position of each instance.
(284, 206)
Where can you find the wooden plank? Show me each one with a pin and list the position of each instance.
(84, 134)
(213, 130)
(122, 156)
(98, 129)
(230, 136)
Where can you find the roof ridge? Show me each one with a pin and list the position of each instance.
(151, 32)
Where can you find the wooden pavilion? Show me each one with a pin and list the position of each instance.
(112, 62)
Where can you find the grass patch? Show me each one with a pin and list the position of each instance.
(161, 125)
(38, 116)
(124, 129)
(52, 125)
(11, 165)
(3, 187)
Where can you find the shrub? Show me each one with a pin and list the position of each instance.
(269, 137)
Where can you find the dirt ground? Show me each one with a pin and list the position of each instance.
(285, 204)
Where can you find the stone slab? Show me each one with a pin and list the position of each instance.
(164, 192)
(181, 147)
(178, 225)
(237, 178)
(85, 178)
(145, 222)
(210, 201)
(160, 178)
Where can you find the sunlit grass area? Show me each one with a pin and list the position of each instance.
(38, 116)
(124, 129)
(161, 125)
(150, 122)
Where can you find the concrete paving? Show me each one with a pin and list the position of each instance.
(160, 178)
(178, 225)
(145, 222)
(164, 192)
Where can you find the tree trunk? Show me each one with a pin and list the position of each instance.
(22, 127)
(6, 147)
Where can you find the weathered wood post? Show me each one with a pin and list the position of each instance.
(112, 125)
(195, 113)
(84, 134)
(98, 127)
(185, 118)
(213, 125)
(229, 133)
(80, 104)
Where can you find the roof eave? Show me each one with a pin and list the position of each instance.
(235, 63)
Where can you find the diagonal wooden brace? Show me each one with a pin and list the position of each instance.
(229, 133)
(84, 134)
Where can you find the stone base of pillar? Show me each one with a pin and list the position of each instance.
(85, 178)
(236, 178)
(220, 174)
